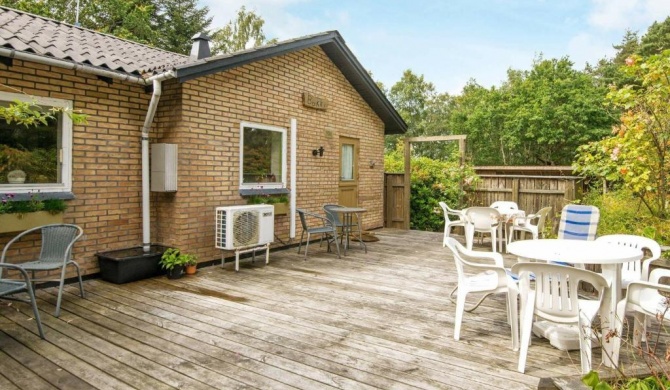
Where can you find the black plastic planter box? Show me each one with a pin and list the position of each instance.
(130, 264)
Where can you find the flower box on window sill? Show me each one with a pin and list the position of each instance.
(281, 208)
(16, 222)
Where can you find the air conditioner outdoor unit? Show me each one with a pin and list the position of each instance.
(244, 226)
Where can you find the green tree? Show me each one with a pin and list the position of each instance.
(656, 40)
(480, 113)
(178, 21)
(425, 111)
(636, 154)
(241, 33)
(552, 110)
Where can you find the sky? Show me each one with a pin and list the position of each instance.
(452, 41)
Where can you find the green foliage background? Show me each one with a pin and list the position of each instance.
(432, 181)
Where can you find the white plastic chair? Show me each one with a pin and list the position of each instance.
(448, 223)
(485, 275)
(554, 297)
(482, 220)
(643, 299)
(634, 271)
(505, 207)
(524, 224)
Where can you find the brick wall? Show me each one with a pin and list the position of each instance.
(106, 178)
(267, 92)
(203, 117)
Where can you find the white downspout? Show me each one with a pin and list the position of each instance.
(151, 112)
(294, 157)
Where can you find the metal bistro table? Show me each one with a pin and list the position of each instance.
(347, 223)
(610, 257)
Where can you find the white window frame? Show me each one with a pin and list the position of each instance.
(253, 186)
(65, 153)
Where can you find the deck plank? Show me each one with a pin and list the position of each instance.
(381, 319)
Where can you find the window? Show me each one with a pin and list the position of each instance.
(36, 158)
(262, 151)
(347, 165)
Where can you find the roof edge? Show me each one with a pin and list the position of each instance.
(335, 48)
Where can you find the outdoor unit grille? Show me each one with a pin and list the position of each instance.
(244, 226)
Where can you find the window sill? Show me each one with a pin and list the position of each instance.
(264, 191)
(41, 195)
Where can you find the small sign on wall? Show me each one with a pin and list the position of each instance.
(313, 101)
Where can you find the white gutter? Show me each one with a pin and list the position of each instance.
(11, 53)
(294, 157)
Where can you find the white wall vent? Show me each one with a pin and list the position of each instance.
(163, 167)
(244, 226)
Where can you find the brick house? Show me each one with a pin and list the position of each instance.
(310, 90)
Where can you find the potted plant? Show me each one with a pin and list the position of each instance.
(191, 264)
(173, 261)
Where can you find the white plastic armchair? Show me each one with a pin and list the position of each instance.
(554, 297)
(644, 299)
(483, 273)
(505, 207)
(522, 223)
(449, 223)
(482, 220)
(634, 271)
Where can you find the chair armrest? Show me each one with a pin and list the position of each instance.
(645, 269)
(16, 267)
(324, 220)
(497, 258)
(656, 275)
(524, 219)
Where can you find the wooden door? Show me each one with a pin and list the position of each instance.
(348, 186)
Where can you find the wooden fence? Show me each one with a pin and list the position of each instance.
(530, 187)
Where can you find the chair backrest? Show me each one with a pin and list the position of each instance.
(303, 220)
(57, 242)
(449, 211)
(332, 215)
(483, 218)
(556, 288)
(633, 241)
(505, 205)
(543, 213)
(578, 222)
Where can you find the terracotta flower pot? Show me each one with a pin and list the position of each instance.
(190, 269)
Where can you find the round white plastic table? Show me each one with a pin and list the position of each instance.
(610, 257)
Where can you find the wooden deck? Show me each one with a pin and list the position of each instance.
(376, 320)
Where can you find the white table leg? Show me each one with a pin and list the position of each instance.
(611, 272)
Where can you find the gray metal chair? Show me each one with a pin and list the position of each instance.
(9, 287)
(334, 217)
(56, 253)
(325, 228)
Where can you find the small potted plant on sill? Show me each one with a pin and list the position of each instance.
(173, 261)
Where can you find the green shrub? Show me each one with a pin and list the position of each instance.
(432, 181)
(622, 213)
(10, 206)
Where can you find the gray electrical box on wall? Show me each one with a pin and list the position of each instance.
(163, 167)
